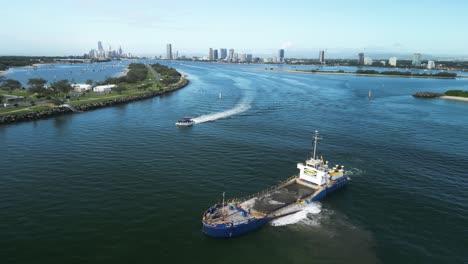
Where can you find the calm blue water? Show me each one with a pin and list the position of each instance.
(78, 72)
(124, 184)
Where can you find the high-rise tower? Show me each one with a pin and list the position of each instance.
(210, 54)
(416, 60)
(361, 58)
(322, 57)
(231, 55)
(169, 51)
(223, 54)
(281, 55)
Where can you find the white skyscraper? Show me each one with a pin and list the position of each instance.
(210, 54)
(416, 60)
(169, 51)
(430, 65)
(322, 57)
(393, 61)
(242, 57)
(367, 61)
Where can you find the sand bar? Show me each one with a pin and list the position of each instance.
(458, 98)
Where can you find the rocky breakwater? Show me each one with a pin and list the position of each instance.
(8, 119)
(427, 95)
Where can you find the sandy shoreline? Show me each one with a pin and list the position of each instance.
(123, 73)
(369, 75)
(457, 98)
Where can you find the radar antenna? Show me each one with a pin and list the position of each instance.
(316, 138)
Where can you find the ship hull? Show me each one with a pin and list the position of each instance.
(223, 231)
(337, 185)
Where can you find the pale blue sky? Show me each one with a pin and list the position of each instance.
(255, 26)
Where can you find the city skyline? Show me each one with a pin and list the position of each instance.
(338, 28)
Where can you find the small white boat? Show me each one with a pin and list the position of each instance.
(187, 121)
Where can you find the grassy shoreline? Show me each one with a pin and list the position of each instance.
(91, 100)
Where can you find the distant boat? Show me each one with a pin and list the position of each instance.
(220, 96)
(370, 94)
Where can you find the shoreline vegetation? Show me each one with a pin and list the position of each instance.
(404, 74)
(7, 62)
(140, 82)
(458, 95)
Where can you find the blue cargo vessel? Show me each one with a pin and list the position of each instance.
(316, 180)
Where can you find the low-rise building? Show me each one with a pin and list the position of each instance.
(104, 88)
(8, 98)
(82, 87)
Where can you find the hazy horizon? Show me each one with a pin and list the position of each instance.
(342, 28)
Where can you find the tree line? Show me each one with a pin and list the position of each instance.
(458, 93)
(407, 73)
(21, 61)
(169, 75)
(137, 72)
(38, 86)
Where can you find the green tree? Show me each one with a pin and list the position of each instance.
(89, 81)
(37, 85)
(119, 89)
(10, 85)
(60, 87)
(57, 101)
(2, 79)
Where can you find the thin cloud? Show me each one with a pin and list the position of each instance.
(287, 45)
(139, 20)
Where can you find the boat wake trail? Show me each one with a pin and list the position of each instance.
(243, 106)
(300, 217)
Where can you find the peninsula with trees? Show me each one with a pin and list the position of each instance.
(458, 95)
(42, 99)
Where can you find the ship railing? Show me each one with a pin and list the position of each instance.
(258, 194)
(263, 192)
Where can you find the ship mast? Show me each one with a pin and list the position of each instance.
(222, 213)
(316, 138)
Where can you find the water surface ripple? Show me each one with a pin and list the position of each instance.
(124, 184)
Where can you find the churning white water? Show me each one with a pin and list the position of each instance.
(301, 216)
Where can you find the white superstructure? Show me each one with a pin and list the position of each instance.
(316, 170)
